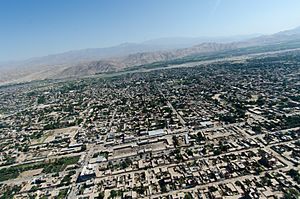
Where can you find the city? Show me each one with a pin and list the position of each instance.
(224, 129)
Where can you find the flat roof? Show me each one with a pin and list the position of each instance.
(156, 132)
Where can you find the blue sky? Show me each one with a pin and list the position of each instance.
(30, 28)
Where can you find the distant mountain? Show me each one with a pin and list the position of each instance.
(91, 54)
(294, 31)
(185, 42)
(94, 54)
(283, 36)
(92, 61)
(117, 64)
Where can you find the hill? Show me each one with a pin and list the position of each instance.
(114, 59)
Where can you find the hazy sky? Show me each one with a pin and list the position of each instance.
(39, 27)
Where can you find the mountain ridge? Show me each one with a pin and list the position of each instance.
(123, 56)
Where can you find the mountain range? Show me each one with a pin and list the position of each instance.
(113, 59)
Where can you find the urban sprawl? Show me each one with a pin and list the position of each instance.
(217, 130)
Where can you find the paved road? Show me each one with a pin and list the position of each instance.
(93, 147)
(89, 154)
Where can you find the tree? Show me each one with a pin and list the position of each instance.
(189, 152)
(113, 194)
(217, 152)
(83, 147)
(291, 194)
(188, 196)
(175, 141)
(260, 101)
(41, 99)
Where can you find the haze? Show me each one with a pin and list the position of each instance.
(35, 28)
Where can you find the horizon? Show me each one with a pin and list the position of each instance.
(151, 99)
(34, 29)
(141, 42)
(253, 35)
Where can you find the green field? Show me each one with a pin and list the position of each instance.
(48, 167)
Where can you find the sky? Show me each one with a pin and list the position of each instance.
(30, 28)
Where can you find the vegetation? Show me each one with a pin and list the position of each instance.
(292, 121)
(140, 190)
(295, 175)
(49, 167)
(125, 163)
(114, 194)
(62, 193)
(41, 99)
(100, 195)
(101, 153)
(67, 178)
(60, 164)
(162, 185)
(175, 141)
(189, 152)
(188, 196)
(291, 194)
(10, 192)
